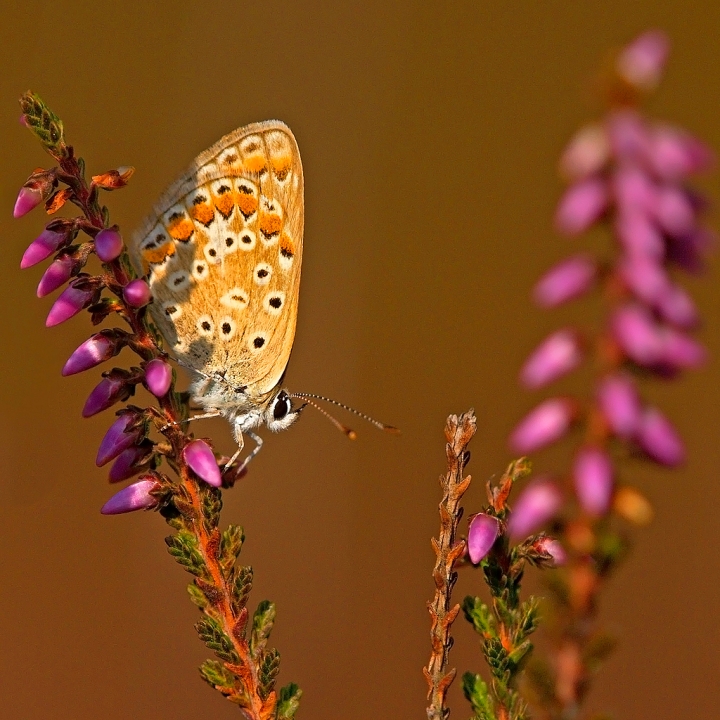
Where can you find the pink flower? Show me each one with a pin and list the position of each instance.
(581, 205)
(593, 475)
(642, 62)
(659, 438)
(28, 198)
(538, 503)
(556, 356)
(567, 280)
(619, 402)
(137, 496)
(482, 533)
(543, 425)
(201, 460)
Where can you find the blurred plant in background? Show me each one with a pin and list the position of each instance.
(627, 174)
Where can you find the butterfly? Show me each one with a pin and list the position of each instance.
(222, 253)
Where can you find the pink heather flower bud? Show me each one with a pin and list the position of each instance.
(137, 293)
(659, 439)
(27, 199)
(128, 463)
(158, 377)
(70, 302)
(41, 248)
(555, 550)
(634, 190)
(116, 440)
(556, 356)
(638, 235)
(638, 335)
(105, 394)
(645, 276)
(677, 307)
(538, 503)
(629, 137)
(586, 153)
(482, 533)
(674, 212)
(543, 425)
(688, 252)
(108, 244)
(581, 205)
(201, 460)
(676, 154)
(593, 475)
(137, 496)
(566, 281)
(57, 274)
(642, 62)
(92, 352)
(619, 402)
(680, 351)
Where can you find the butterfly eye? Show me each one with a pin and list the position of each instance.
(282, 406)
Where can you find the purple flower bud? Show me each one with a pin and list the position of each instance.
(201, 460)
(108, 244)
(538, 503)
(116, 440)
(556, 356)
(676, 306)
(27, 199)
(676, 154)
(638, 235)
(581, 205)
(41, 248)
(688, 251)
(680, 351)
(642, 62)
(674, 212)
(137, 293)
(638, 335)
(92, 352)
(644, 276)
(105, 394)
(659, 438)
(482, 533)
(566, 281)
(128, 463)
(70, 302)
(634, 190)
(555, 550)
(586, 153)
(56, 275)
(158, 377)
(545, 424)
(593, 474)
(619, 403)
(133, 497)
(629, 136)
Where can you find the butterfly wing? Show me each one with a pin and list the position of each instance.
(222, 252)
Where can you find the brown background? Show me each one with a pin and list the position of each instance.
(429, 137)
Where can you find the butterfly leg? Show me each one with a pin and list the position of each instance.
(241, 444)
(214, 413)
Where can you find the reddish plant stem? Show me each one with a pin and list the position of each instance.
(458, 433)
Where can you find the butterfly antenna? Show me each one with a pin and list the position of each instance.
(380, 426)
(343, 428)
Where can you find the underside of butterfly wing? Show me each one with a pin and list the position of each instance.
(222, 253)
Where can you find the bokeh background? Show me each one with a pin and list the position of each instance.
(429, 135)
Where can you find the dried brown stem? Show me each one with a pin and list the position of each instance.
(458, 433)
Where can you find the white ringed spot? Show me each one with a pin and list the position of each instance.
(262, 273)
(236, 298)
(205, 326)
(274, 302)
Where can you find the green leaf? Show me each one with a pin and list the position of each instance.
(241, 587)
(497, 658)
(288, 702)
(518, 654)
(211, 506)
(230, 545)
(212, 634)
(197, 596)
(476, 691)
(267, 672)
(216, 674)
(184, 548)
(529, 617)
(44, 124)
(262, 625)
(478, 613)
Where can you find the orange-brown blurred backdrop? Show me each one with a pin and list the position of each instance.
(429, 134)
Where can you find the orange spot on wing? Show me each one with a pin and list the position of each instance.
(155, 255)
(255, 164)
(287, 246)
(224, 204)
(281, 166)
(181, 229)
(203, 213)
(247, 204)
(270, 225)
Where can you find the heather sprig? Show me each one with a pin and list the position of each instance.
(628, 176)
(189, 495)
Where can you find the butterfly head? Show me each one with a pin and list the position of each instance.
(280, 413)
